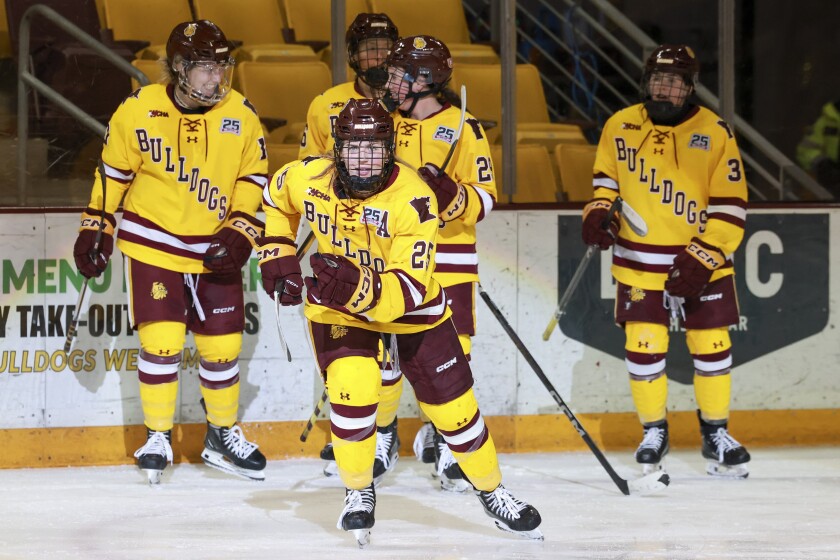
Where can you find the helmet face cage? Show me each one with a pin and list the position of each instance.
(369, 41)
(364, 147)
(199, 57)
(668, 80)
(416, 58)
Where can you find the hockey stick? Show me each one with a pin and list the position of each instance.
(280, 286)
(634, 221)
(647, 484)
(460, 129)
(93, 255)
(304, 435)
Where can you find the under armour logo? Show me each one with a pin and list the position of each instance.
(643, 344)
(403, 143)
(164, 352)
(192, 139)
(718, 344)
(463, 422)
(349, 228)
(659, 151)
(344, 396)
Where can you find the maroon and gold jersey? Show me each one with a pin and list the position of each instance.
(428, 141)
(182, 173)
(393, 232)
(317, 137)
(685, 181)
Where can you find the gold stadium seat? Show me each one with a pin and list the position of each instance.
(280, 154)
(575, 163)
(258, 25)
(146, 21)
(310, 20)
(442, 19)
(484, 101)
(283, 90)
(535, 178)
(155, 70)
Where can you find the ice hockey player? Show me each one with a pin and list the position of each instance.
(369, 40)
(376, 227)
(190, 159)
(679, 167)
(427, 116)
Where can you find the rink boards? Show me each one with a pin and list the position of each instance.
(785, 386)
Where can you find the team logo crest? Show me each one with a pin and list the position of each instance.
(337, 331)
(419, 43)
(189, 30)
(423, 206)
(159, 291)
(636, 294)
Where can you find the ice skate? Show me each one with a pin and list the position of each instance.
(727, 457)
(387, 451)
(653, 448)
(227, 450)
(328, 455)
(511, 514)
(451, 476)
(357, 516)
(424, 443)
(155, 454)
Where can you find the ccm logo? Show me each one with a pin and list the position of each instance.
(711, 297)
(447, 365)
(220, 310)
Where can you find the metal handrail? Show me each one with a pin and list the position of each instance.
(28, 80)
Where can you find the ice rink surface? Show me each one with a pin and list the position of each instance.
(788, 508)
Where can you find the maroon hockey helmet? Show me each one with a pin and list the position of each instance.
(363, 120)
(200, 45)
(674, 59)
(423, 55)
(374, 53)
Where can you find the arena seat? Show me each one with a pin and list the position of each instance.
(258, 25)
(535, 178)
(155, 70)
(309, 21)
(146, 22)
(575, 163)
(283, 90)
(442, 19)
(280, 154)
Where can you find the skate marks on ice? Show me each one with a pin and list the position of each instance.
(786, 509)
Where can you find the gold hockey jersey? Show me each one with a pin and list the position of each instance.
(685, 181)
(394, 232)
(428, 141)
(183, 173)
(317, 137)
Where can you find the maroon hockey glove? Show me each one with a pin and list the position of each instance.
(280, 269)
(693, 268)
(230, 248)
(451, 196)
(341, 282)
(93, 262)
(595, 231)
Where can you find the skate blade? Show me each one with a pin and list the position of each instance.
(457, 485)
(153, 476)
(362, 537)
(220, 463)
(533, 534)
(714, 468)
(331, 469)
(648, 468)
(651, 483)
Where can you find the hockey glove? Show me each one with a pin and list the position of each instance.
(93, 262)
(451, 196)
(595, 231)
(693, 268)
(230, 248)
(280, 269)
(341, 282)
